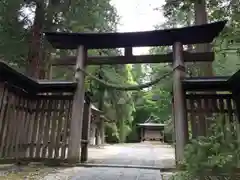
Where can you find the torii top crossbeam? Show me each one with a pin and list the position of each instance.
(187, 35)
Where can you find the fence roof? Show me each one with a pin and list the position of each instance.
(234, 82)
(15, 78)
(206, 83)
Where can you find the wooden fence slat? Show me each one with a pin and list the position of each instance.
(17, 122)
(230, 109)
(53, 131)
(22, 134)
(31, 127)
(14, 127)
(5, 125)
(49, 152)
(40, 129)
(192, 119)
(211, 115)
(215, 108)
(61, 138)
(198, 111)
(27, 127)
(57, 119)
(46, 129)
(8, 127)
(221, 107)
(2, 89)
(10, 122)
(203, 116)
(59, 129)
(2, 103)
(208, 114)
(3, 112)
(23, 137)
(229, 120)
(65, 130)
(62, 145)
(34, 132)
(212, 106)
(43, 119)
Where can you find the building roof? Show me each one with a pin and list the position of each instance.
(151, 124)
(95, 108)
(106, 119)
(187, 35)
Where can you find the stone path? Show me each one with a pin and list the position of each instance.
(117, 174)
(138, 154)
(99, 173)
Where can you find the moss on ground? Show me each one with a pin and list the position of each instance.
(31, 172)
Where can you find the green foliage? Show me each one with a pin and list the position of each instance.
(111, 131)
(122, 102)
(16, 21)
(169, 131)
(145, 103)
(217, 153)
(133, 136)
(220, 150)
(13, 35)
(226, 46)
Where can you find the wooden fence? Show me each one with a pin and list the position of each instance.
(204, 109)
(33, 126)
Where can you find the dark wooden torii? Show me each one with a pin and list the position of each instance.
(169, 37)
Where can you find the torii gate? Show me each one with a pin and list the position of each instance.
(169, 37)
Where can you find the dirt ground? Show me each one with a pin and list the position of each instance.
(30, 172)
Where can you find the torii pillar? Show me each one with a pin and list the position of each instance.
(179, 102)
(77, 108)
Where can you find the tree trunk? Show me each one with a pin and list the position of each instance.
(35, 50)
(100, 107)
(121, 123)
(46, 68)
(201, 18)
(190, 66)
(205, 69)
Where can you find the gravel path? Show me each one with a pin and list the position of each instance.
(99, 173)
(138, 154)
(146, 155)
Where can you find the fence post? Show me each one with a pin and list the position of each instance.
(85, 130)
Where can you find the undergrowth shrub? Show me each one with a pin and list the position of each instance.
(216, 154)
